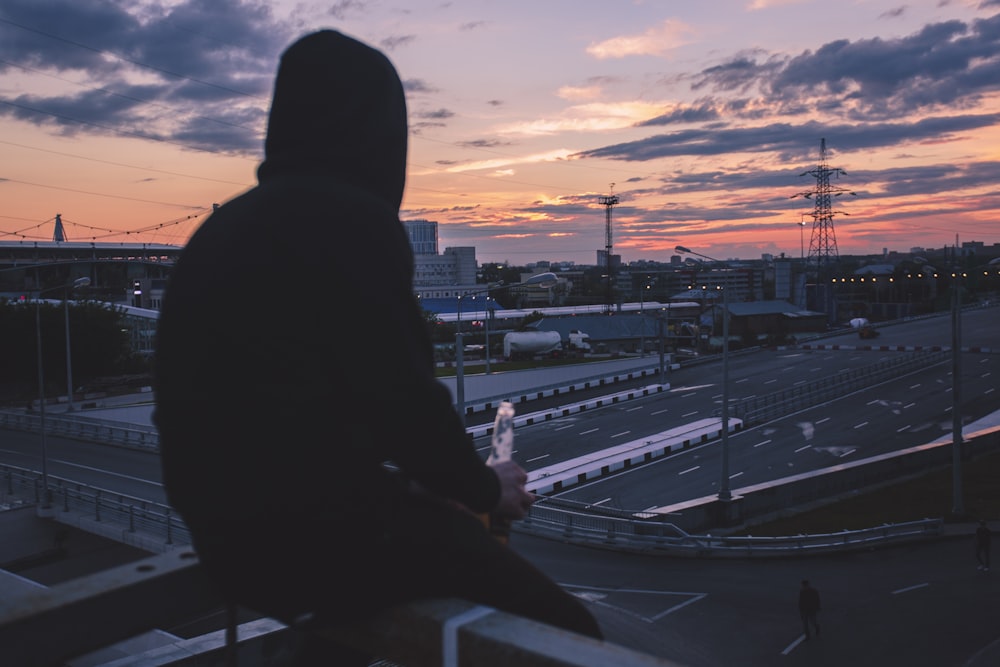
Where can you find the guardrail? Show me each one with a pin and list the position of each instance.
(83, 428)
(155, 528)
(760, 409)
(584, 526)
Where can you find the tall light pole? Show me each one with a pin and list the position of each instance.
(724, 492)
(543, 280)
(79, 282)
(958, 505)
(802, 247)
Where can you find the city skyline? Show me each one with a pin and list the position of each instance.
(131, 119)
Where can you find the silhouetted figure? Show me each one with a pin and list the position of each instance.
(809, 607)
(983, 539)
(319, 464)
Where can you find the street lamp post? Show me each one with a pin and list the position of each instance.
(543, 280)
(724, 491)
(79, 282)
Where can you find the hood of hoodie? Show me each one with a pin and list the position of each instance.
(338, 108)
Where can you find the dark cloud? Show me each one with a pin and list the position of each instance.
(204, 63)
(417, 86)
(944, 64)
(394, 42)
(790, 140)
(436, 114)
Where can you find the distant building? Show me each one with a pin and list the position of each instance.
(439, 276)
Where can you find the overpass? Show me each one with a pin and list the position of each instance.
(579, 529)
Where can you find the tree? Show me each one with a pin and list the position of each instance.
(99, 342)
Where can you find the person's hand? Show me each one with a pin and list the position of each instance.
(514, 498)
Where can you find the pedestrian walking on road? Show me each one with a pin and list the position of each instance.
(983, 536)
(809, 607)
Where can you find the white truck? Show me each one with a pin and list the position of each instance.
(529, 344)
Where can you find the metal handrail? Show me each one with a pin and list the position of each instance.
(127, 518)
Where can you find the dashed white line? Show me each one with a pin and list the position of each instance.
(848, 452)
(618, 435)
(763, 442)
(684, 472)
(791, 647)
(689, 414)
(861, 425)
(658, 412)
(802, 449)
(909, 588)
(903, 428)
(593, 430)
(824, 419)
(539, 458)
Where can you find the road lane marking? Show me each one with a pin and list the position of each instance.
(593, 430)
(684, 472)
(763, 442)
(791, 647)
(909, 588)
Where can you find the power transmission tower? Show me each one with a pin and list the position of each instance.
(823, 240)
(608, 201)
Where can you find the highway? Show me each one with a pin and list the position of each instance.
(908, 411)
(913, 605)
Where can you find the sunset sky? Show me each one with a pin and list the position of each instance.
(130, 119)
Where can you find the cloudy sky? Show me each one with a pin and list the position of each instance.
(705, 119)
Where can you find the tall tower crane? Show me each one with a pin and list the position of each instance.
(608, 202)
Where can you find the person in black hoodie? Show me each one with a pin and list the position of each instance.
(306, 443)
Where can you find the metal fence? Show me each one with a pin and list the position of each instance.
(615, 530)
(83, 428)
(158, 529)
(760, 409)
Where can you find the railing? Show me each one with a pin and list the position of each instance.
(760, 409)
(155, 528)
(80, 427)
(621, 530)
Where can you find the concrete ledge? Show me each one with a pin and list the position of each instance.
(50, 626)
